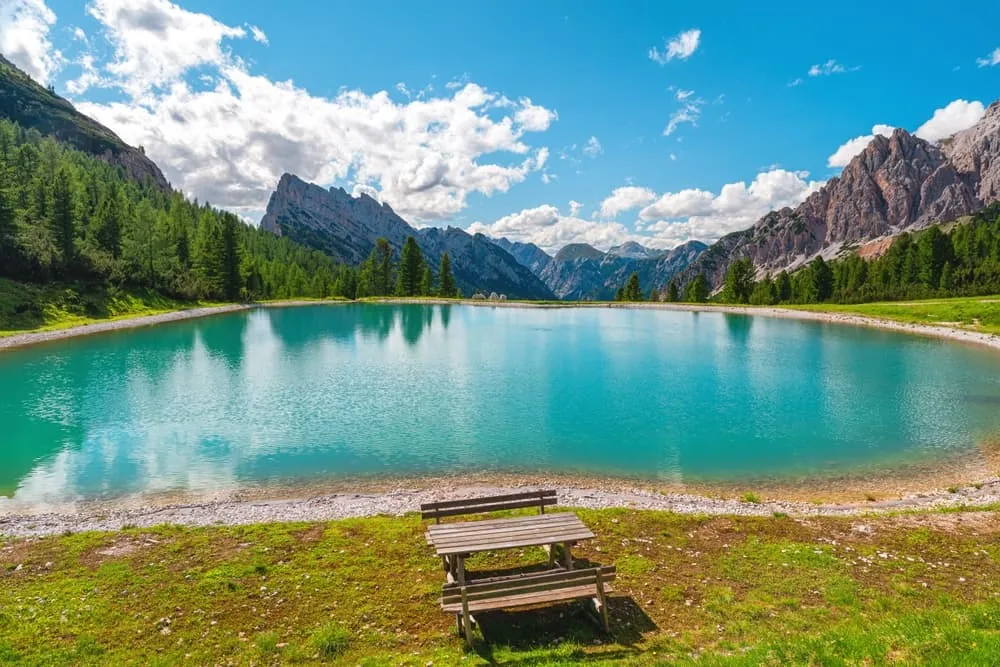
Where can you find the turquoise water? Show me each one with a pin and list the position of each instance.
(331, 391)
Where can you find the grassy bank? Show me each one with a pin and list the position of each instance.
(974, 313)
(723, 590)
(26, 307)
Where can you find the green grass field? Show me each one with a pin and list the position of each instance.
(26, 307)
(975, 313)
(722, 590)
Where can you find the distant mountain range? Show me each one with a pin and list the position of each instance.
(347, 227)
(896, 184)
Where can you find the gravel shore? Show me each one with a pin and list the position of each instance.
(401, 500)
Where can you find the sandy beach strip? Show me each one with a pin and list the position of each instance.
(237, 511)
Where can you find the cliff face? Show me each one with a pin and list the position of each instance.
(900, 183)
(582, 272)
(527, 254)
(347, 227)
(30, 105)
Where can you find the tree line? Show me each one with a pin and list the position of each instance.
(380, 275)
(68, 216)
(955, 259)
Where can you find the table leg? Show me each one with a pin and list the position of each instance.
(567, 556)
(461, 571)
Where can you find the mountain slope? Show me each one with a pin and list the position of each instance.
(347, 227)
(582, 272)
(32, 106)
(527, 254)
(896, 184)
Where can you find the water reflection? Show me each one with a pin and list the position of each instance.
(329, 391)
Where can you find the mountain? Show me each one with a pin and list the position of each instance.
(582, 272)
(346, 228)
(896, 184)
(32, 106)
(527, 254)
(633, 250)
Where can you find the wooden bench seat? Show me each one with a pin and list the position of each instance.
(445, 508)
(527, 590)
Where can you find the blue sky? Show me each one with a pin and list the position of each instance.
(467, 147)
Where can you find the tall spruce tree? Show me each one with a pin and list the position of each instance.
(446, 280)
(697, 290)
(673, 294)
(411, 269)
(63, 225)
(427, 281)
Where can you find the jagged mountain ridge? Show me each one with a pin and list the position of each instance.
(347, 227)
(896, 184)
(581, 272)
(528, 254)
(32, 106)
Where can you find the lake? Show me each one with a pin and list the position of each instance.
(328, 392)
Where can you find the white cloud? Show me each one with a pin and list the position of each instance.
(625, 199)
(676, 217)
(795, 82)
(531, 117)
(228, 143)
(682, 94)
(156, 41)
(258, 35)
(574, 208)
(24, 38)
(846, 152)
(592, 147)
(680, 46)
(990, 60)
(688, 112)
(88, 76)
(831, 66)
(547, 228)
(958, 115)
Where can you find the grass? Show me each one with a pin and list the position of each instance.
(26, 307)
(975, 313)
(715, 590)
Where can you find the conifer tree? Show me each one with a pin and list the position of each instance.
(427, 282)
(411, 269)
(446, 280)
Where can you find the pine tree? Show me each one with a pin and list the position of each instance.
(231, 258)
(633, 292)
(62, 222)
(446, 281)
(783, 286)
(427, 282)
(697, 289)
(8, 232)
(673, 293)
(382, 268)
(411, 269)
(822, 279)
(739, 281)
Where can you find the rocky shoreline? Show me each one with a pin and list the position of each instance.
(397, 501)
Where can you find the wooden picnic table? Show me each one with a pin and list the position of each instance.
(456, 541)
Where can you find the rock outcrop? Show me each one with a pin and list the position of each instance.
(25, 102)
(896, 184)
(346, 228)
(528, 254)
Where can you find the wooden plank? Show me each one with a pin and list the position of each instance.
(531, 599)
(532, 580)
(496, 531)
(486, 500)
(482, 509)
(511, 542)
(442, 528)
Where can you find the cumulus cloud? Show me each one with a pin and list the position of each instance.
(156, 42)
(550, 230)
(990, 59)
(846, 152)
(225, 135)
(676, 217)
(958, 115)
(24, 37)
(680, 46)
(574, 208)
(625, 199)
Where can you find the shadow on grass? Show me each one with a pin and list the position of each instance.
(540, 632)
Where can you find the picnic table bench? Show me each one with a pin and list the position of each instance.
(454, 542)
(526, 590)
